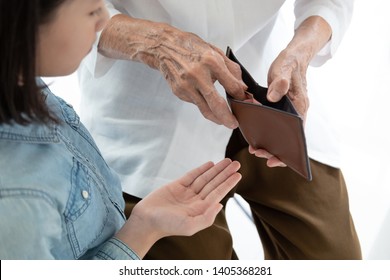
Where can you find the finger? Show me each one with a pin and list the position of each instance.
(272, 161)
(275, 162)
(217, 64)
(219, 179)
(261, 153)
(192, 175)
(217, 105)
(199, 88)
(202, 180)
(205, 108)
(189, 93)
(298, 94)
(230, 76)
(277, 89)
(218, 193)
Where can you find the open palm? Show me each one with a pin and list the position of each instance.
(190, 203)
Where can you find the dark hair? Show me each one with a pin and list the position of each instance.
(20, 96)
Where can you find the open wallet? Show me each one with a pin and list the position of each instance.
(272, 126)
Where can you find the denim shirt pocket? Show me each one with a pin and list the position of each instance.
(86, 213)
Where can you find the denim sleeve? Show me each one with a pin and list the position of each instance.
(114, 249)
(30, 226)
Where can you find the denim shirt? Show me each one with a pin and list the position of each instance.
(58, 197)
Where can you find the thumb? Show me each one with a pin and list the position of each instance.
(277, 89)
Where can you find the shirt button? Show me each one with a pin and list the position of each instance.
(85, 194)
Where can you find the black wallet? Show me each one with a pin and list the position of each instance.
(273, 126)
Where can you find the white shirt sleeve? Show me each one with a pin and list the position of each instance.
(337, 13)
(96, 63)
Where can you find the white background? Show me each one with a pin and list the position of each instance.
(359, 76)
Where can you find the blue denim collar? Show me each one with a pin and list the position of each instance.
(34, 132)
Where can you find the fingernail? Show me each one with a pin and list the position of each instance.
(272, 96)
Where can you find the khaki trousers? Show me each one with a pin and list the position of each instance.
(295, 219)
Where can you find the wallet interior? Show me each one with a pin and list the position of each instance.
(259, 92)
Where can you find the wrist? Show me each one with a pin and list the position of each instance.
(132, 39)
(309, 38)
(138, 234)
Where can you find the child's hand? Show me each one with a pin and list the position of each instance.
(182, 207)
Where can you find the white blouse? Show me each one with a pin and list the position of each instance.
(146, 133)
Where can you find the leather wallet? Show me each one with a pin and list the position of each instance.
(273, 126)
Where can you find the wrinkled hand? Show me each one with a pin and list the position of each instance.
(286, 76)
(182, 207)
(191, 66)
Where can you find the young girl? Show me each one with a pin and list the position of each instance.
(58, 197)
